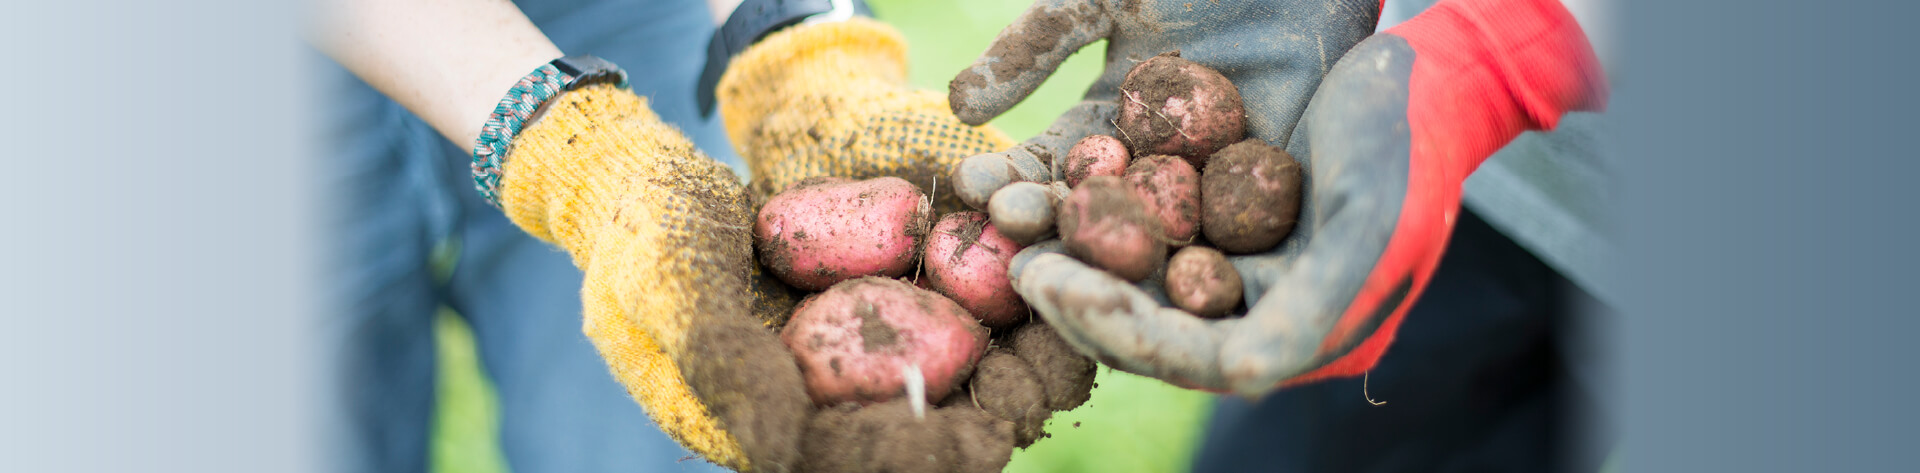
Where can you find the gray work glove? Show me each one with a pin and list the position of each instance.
(1398, 123)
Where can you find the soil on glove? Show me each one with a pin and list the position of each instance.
(887, 437)
(1005, 386)
(1065, 375)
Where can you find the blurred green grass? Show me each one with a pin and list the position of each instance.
(1131, 424)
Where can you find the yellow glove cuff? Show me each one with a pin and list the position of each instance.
(832, 99)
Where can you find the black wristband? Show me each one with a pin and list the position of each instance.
(752, 20)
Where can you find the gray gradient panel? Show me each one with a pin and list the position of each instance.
(157, 234)
(1767, 225)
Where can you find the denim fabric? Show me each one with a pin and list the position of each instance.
(396, 190)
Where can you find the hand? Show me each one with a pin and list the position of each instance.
(831, 99)
(1397, 124)
(1274, 51)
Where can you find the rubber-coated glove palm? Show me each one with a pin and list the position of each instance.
(1385, 142)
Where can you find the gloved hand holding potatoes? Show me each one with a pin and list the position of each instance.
(1273, 166)
(871, 373)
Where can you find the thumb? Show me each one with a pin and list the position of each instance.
(1024, 55)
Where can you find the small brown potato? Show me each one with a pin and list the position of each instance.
(1202, 282)
(1023, 211)
(1104, 224)
(1095, 155)
(966, 260)
(1252, 197)
(1170, 105)
(823, 231)
(1171, 189)
(856, 341)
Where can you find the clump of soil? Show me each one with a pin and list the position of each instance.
(1065, 374)
(888, 437)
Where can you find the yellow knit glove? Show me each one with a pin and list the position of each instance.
(831, 99)
(662, 234)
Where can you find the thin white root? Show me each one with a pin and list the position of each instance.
(1123, 133)
(1363, 389)
(972, 392)
(916, 391)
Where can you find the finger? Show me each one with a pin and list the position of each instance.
(1024, 55)
(1120, 325)
(976, 178)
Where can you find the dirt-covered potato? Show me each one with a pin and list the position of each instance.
(1095, 155)
(1171, 189)
(1170, 105)
(1251, 193)
(826, 230)
(966, 260)
(1202, 282)
(1106, 225)
(859, 340)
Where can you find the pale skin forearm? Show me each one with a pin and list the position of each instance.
(447, 61)
(721, 8)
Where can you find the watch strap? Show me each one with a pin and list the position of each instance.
(755, 19)
(520, 104)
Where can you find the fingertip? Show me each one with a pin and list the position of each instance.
(961, 93)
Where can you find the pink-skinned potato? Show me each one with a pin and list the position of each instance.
(1171, 189)
(1202, 282)
(1105, 224)
(856, 341)
(1095, 155)
(825, 230)
(966, 261)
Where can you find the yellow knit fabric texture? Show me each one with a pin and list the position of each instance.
(634, 203)
(832, 99)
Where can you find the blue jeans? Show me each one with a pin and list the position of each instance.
(397, 190)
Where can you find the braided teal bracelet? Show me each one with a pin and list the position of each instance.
(519, 105)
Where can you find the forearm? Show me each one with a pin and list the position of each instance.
(447, 61)
(721, 9)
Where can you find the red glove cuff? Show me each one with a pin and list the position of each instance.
(1486, 70)
(1483, 72)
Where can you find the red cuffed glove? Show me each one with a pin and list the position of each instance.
(1393, 130)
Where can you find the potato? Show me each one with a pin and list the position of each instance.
(966, 260)
(1251, 196)
(1171, 189)
(826, 230)
(1095, 155)
(856, 341)
(1104, 224)
(1023, 211)
(1170, 105)
(1201, 281)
